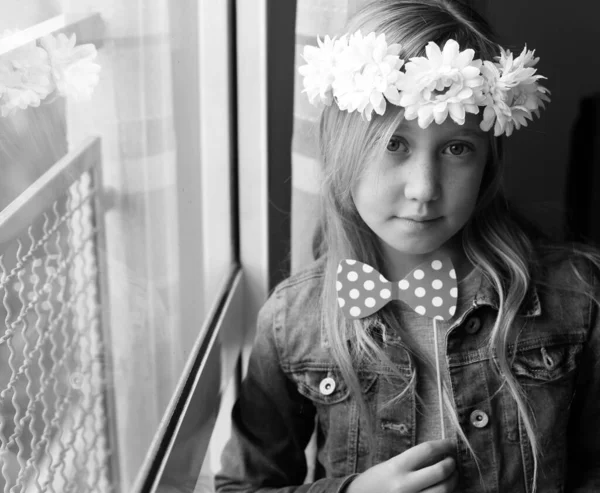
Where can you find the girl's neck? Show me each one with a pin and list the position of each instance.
(398, 264)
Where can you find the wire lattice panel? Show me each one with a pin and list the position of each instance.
(53, 421)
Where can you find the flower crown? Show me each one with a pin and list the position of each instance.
(365, 73)
(29, 73)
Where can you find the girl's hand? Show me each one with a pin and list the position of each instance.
(428, 468)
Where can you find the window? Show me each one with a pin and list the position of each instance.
(121, 261)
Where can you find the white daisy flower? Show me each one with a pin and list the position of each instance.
(366, 75)
(445, 82)
(319, 69)
(512, 92)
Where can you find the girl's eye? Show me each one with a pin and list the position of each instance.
(458, 149)
(396, 144)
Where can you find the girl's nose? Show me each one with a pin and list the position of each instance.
(422, 181)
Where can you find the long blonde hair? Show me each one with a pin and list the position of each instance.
(493, 239)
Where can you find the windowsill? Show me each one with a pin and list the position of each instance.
(88, 28)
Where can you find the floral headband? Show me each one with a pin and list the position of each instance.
(364, 74)
(29, 73)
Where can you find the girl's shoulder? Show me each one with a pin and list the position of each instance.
(567, 266)
(552, 256)
(295, 314)
(305, 278)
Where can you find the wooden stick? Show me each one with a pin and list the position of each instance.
(439, 378)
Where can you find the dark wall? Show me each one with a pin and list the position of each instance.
(564, 35)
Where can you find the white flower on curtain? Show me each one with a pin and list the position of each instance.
(30, 73)
(24, 76)
(75, 73)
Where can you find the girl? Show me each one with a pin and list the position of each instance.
(418, 99)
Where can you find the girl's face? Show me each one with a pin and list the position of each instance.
(424, 189)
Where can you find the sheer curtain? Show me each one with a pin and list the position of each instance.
(132, 112)
(313, 18)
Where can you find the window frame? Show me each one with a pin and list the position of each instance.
(219, 353)
(263, 72)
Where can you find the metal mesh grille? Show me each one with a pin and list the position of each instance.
(52, 416)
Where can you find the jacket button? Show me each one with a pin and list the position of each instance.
(479, 419)
(473, 325)
(327, 386)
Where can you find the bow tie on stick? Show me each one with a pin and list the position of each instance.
(430, 289)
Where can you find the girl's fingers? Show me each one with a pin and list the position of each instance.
(425, 454)
(433, 475)
(447, 486)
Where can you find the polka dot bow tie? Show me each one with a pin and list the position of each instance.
(430, 289)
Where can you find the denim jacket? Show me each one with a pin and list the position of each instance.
(557, 362)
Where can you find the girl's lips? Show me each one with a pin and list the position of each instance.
(419, 225)
(420, 219)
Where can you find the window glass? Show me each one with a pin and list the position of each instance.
(109, 273)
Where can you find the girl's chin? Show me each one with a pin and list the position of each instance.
(426, 245)
(416, 248)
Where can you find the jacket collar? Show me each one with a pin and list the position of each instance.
(487, 296)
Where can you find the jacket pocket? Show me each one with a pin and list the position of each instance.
(341, 432)
(545, 368)
(547, 359)
(325, 385)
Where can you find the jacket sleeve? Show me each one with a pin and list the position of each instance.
(583, 468)
(271, 425)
